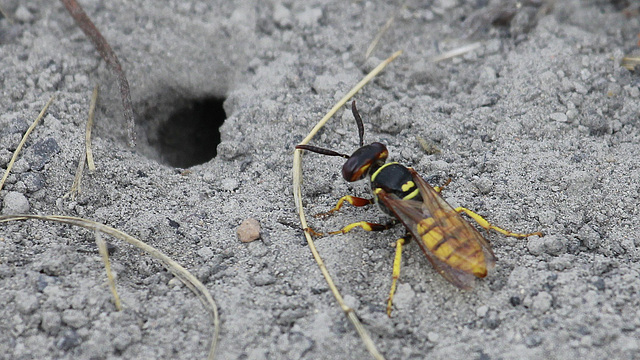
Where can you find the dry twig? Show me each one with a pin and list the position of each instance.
(86, 155)
(630, 63)
(297, 195)
(6, 16)
(456, 52)
(109, 57)
(24, 140)
(102, 249)
(87, 134)
(178, 271)
(381, 32)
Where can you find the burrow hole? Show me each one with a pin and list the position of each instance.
(185, 134)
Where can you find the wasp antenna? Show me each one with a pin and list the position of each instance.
(320, 150)
(358, 121)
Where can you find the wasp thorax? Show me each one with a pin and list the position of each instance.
(364, 160)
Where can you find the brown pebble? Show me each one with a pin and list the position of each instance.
(249, 230)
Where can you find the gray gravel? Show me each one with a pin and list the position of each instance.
(537, 128)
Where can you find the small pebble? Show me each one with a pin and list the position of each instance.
(542, 302)
(492, 320)
(229, 150)
(51, 322)
(433, 337)
(482, 311)
(554, 245)
(309, 17)
(263, 278)
(533, 340)
(205, 252)
(352, 302)
(558, 116)
(580, 88)
(15, 203)
(282, 16)
(41, 152)
(26, 303)
(535, 245)
(230, 184)
(589, 237)
(404, 297)
(175, 282)
(572, 114)
(634, 92)
(74, 318)
(33, 181)
(22, 14)
(5, 157)
(249, 230)
(484, 185)
(69, 340)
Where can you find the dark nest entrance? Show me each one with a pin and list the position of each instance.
(186, 134)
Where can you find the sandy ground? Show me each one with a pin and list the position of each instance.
(537, 128)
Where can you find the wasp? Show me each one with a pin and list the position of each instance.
(451, 244)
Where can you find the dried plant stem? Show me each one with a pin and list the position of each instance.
(297, 194)
(381, 32)
(630, 63)
(105, 51)
(6, 16)
(176, 269)
(457, 52)
(102, 249)
(86, 155)
(23, 141)
(87, 134)
(76, 187)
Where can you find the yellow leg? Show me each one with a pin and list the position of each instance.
(397, 261)
(367, 226)
(485, 224)
(353, 200)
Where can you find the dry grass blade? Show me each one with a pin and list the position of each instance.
(86, 155)
(381, 32)
(102, 248)
(181, 273)
(87, 134)
(24, 140)
(76, 187)
(297, 195)
(457, 52)
(6, 16)
(630, 63)
(103, 47)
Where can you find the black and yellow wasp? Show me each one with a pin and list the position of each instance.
(453, 246)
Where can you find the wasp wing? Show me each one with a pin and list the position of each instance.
(454, 247)
(433, 202)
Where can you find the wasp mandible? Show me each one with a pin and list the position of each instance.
(453, 246)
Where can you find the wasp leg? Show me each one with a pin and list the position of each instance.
(367, 226)
(355, 201)
(397, 261)
(439, 189)
(487, 225)
(313, 232)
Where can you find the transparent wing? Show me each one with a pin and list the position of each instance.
(454, 247)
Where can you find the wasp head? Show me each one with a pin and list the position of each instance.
(365, 160)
